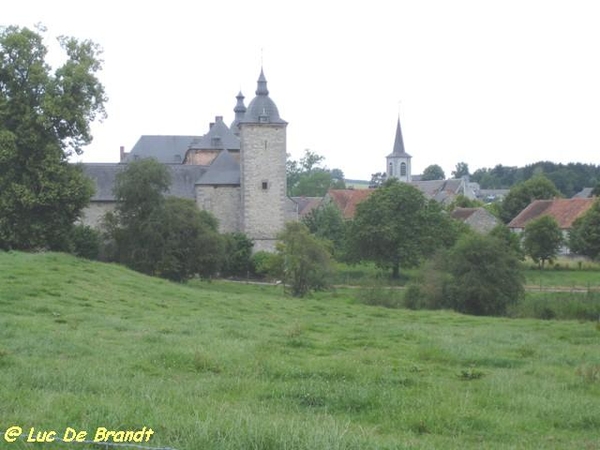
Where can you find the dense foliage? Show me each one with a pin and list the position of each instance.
(397, 226)
(461, 170)
(568, 178)
(584, 236)
(433, 172)
(309, 178)
(45, 117)
(304, 261)
(522, 194)
(157, 235)
(542, 239)
(479, 275)
(326, 222)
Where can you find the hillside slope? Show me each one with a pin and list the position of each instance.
(227, 366)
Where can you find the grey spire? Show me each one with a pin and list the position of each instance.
(240, 110)
(261, 88)
(398, 142)
(262, 109)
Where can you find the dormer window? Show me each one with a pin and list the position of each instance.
(215, 141)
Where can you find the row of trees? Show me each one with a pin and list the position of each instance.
(568, 178)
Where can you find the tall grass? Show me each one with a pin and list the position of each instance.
(224, 366)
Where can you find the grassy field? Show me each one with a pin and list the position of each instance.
(230, 366)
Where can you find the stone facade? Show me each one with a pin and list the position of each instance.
(263, 180)
(224, 203)
(238, 174)
(94, 213)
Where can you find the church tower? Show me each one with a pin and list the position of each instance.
(398, 162)
(262, 169)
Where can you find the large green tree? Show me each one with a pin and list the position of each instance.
(584, 237)
(158, 235)
(303, 260)
(461, 170)
(397, 227)
(45, 117)
(542, 239)
(309, 178)
(485, 276)
(326, 222)
(522, 194)
(433, 172)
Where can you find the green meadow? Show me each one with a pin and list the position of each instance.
(237, 366)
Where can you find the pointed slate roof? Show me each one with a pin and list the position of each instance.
(225, 170)
(399, 143)
(262, 109)
(219, 137)
(239, 110)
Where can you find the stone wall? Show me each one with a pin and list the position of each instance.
(94, 213)
(224, 202)
(263, 180)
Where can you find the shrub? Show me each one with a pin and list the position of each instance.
(85, 242)
(238, 255)
(485, 276)
(262, 263)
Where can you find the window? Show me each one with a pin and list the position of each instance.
(391, 169)
(265, 185)
(403, 169)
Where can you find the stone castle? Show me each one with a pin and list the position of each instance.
(237, 173)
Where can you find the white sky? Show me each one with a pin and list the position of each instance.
(487, 82)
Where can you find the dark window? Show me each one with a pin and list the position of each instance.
(265, 185)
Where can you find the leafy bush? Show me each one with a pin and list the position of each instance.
(85, 242)
(304, 261)
(485, 276)
(429, 289)
(238, 255)
(263, 263)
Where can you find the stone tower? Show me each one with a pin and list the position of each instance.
(262, 169)
(398, 162)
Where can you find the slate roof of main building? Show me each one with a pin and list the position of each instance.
(183, 179)
(165, 149)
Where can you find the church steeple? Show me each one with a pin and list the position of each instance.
(398, 162)
(399, 142)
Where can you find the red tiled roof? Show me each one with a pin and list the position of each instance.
(564, 210)
(347, 199)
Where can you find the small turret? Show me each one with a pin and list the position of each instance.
(240, 111)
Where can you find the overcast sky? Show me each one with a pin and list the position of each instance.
(506, 82)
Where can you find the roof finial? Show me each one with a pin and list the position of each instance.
(261, 88)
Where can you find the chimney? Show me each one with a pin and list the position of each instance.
(210, 125)
(122, 153)
(218, 118)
